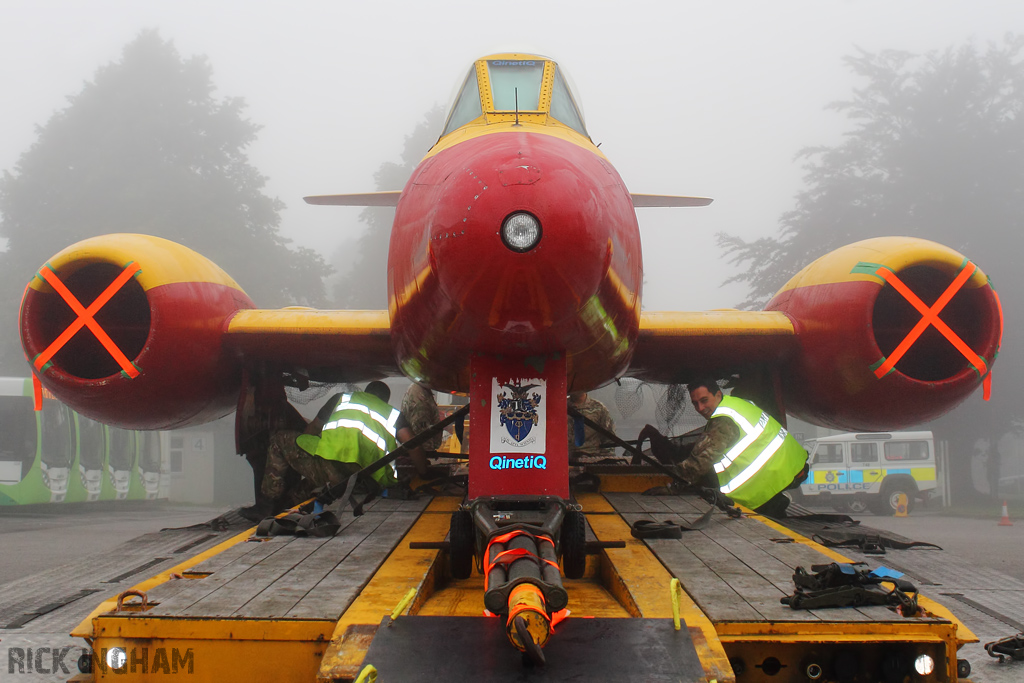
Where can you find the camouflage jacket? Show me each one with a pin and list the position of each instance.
(719, 435)
(420, 409)
(591, 448)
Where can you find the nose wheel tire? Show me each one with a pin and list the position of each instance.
(574, 545)
(461, 544)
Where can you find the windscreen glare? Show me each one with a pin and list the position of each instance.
(515, 84)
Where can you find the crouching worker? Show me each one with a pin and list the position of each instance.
(350, 432)
(754, 457)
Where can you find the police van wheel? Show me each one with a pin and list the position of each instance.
(885, 502)
(574, 545)
(461, 544)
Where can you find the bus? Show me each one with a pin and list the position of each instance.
(55, 455)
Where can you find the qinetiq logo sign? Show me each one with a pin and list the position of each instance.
(533, 462)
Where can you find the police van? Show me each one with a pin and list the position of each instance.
(868, 471)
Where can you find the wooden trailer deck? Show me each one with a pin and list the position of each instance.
(313, 606)
(288, 577)
(736, 569)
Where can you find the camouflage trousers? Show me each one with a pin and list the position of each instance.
(284, 454)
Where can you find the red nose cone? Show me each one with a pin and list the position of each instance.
(515, 287)
(458, 288)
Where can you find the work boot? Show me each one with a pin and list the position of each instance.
(258, 512)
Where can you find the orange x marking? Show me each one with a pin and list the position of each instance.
(930, 316)
(86, 318)
(37, 393)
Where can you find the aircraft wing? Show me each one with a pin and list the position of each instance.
(388, 198)
(648, 200)
(675, 346)
(340, 346)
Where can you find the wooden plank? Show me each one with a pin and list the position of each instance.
(774, 578)
(415, 504)
(200, 588)
(741, 556)
(798, 554)
(229, 598)
(794, 555)
(332, 595)
(226, 557)
(686, 505)
(651, 504)
(291, 588)
(762, 595)
(705, 586)
(168, 589)
(623, 502)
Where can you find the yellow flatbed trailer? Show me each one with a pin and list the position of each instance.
(288, 608)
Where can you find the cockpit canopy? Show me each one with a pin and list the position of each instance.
(515, 87)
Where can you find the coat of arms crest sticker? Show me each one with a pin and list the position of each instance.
(518, 423)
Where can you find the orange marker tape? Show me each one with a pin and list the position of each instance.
(85, 318)
(930, 316)
(37, 393)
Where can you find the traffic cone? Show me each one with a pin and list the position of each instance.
(901, 505)
(1005, 521)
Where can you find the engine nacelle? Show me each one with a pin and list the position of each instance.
(151, 356)
(852, 316)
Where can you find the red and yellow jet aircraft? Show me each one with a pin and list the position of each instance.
(514, 275)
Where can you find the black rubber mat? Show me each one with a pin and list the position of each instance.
(476, 649)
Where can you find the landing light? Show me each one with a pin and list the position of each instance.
(924, 665)
(520, 231)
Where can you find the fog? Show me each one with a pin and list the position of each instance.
(699, 98)
(684, 97)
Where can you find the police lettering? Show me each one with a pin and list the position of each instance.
(844, 487)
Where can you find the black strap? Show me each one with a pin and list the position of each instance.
(626, 445)
(647, 529)
(826, 518)
(443, 485)
(871, 542)
(321, 524)
(347, 488)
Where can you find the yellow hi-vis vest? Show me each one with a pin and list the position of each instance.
(763, 462)
(361, 430)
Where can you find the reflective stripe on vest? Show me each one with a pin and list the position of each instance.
(361, 430)
(750, 435)
(759, 462)
(764, 460)
(388, 423)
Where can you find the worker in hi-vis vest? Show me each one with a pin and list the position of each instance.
(349, 432)
(754, 457)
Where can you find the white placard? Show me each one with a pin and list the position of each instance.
(518, 416)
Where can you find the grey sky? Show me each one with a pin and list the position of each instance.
(686, 97)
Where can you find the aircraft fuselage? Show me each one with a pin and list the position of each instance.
(455, 288)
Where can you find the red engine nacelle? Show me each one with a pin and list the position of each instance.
(851, 316)
(166, 367)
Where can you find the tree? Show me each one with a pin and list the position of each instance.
(363, 279)
(146, 147)
(936, 150)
